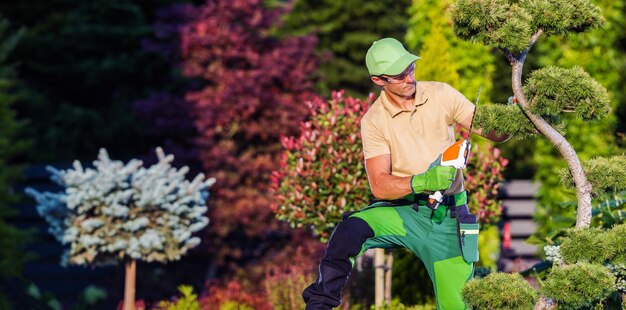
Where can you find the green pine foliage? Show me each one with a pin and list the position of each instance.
(486, 22)
(607, 174)
(508, 25)
(616, 238)
(588, 272)
(584, 245)
(579, 286)
(345, 30)
(499, 24)
(504, 119)
(500, 291)
(553, 91)
(563, 16)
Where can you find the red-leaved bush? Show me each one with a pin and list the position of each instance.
(244, 89)
(482, 180)
(232, 295)
(322, 172)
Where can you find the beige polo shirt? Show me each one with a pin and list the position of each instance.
(415, 138)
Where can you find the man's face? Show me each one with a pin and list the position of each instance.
(402, 84)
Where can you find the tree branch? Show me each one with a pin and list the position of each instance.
(583, 186)
(544, 304)
(522, 56)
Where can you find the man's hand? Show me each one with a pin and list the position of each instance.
(434, 179)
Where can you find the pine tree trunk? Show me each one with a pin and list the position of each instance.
(544, 304)
(583, 186)
(129, 285)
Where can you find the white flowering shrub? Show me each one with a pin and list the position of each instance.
(116, 211)
(619, 271)
(553, 254)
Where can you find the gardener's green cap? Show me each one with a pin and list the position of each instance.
(388, 56)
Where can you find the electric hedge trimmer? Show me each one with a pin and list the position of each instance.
(456, 156)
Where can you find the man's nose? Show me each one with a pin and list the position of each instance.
(410, 77)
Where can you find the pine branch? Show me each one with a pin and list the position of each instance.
(554, 90)
(606, 174)
(504, 119)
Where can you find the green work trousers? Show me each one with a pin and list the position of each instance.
(432, 237)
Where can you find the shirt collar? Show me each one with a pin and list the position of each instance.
(393, 110)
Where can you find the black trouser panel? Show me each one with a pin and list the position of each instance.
(345, 243)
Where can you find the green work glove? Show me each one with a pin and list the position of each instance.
(434, 179)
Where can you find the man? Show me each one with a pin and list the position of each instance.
(404, 133)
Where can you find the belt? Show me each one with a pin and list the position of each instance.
(455, 200)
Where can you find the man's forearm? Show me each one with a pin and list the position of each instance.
(387, 186)
(493, 136)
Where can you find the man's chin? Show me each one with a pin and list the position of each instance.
(409, 90)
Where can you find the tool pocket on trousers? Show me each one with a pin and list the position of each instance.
(468, 241)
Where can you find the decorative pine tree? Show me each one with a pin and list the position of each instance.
(513, 27)
(125, 212)
(549, 94)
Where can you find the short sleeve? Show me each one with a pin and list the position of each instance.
(461, 107)
(374, 142)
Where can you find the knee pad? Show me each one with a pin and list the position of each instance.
(348, 237)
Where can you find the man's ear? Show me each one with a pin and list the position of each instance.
(378, 81)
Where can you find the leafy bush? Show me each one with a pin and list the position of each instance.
(188, 301)
(323, 174)
(284, 287)
(482, 181)
(233, 305)
(500, 291)
(581, 285)
(233, 296)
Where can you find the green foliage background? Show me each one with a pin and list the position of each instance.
(445, 58)
(345, 30)
(11, 240)
(82, 65)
